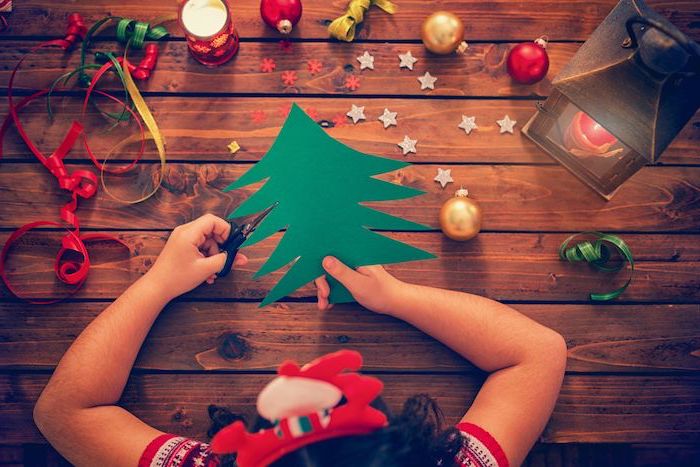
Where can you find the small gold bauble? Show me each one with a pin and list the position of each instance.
(443, 33)
(460, 217)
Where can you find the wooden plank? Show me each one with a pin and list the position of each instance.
(239, 336)
(200, 128)
(481, 72)
(500, 266)
(590, 408)
(493, 20)
(514, 198)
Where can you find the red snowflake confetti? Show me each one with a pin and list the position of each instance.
(267, 65)
(314, 66)
(286, 46)
(340, 120)
(352, 82)
(258, 116)
(284, 109)
(289, 78)
(312, 112)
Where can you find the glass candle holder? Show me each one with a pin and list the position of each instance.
(211, 36)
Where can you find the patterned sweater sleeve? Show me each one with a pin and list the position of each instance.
(176, 451)
(480, 448)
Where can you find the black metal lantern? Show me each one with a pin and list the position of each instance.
(617, 105)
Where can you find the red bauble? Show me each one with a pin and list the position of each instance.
(594, 131)
(281, 14)
(528, 62)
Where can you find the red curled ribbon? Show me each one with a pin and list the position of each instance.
(79, 183)
(143, 70)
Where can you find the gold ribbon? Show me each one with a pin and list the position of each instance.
(154, 134)
(343, 27)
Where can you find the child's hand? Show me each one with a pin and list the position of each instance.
(192, 256)
(371, 286)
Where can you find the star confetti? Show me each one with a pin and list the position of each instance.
(286, 46)
(468, 124)
(506, 124)
(352, 82)
(366, 61)
(427, 81)
(258, 116)
(314, 66)
(339, 120)
(356, 113)
(284, 109)
(388, 118)
(289, 78)
(408, 145)
(312, 112)
(267, 65)
(407, 60)
(233, 147)
(444, 177)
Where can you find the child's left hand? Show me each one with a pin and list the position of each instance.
(192, 256)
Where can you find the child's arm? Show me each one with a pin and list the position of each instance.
(526, 360)
(76, 411)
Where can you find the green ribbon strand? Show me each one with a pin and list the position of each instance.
(135, 33)
(597, 253)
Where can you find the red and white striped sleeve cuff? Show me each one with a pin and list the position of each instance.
(480, 448)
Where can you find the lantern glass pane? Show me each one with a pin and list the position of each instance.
(587, 141)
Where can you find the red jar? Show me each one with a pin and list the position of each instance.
(209, 30)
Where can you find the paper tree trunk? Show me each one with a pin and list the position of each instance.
(319, 184)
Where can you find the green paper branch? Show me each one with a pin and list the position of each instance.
(319, 184)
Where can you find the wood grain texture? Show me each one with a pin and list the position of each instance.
(501, 266)
(200, 128)
(240, 337)
(493, 20)
(590, 408)
(514, 198)
(481, 72)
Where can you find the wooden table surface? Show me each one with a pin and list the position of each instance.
(633, 364)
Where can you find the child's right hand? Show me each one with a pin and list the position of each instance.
(372, 286)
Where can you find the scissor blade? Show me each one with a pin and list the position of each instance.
(255, 222)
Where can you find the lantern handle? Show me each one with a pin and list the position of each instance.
(689, 46)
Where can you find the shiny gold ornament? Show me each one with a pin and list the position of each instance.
(443, 33)
(460, 217)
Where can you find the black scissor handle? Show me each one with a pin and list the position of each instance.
(231, 246)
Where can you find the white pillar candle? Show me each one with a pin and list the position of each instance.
(204, 18)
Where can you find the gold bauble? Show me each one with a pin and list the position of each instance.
(443, 33)
(460, 217)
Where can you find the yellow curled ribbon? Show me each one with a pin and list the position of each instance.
(343, 27)
(154, 133)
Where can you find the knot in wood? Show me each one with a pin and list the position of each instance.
(232, 347)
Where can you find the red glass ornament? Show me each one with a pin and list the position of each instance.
(211, 36)
(586, 137)
(528, 62)
(282, 15)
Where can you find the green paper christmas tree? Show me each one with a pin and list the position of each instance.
(319, 183)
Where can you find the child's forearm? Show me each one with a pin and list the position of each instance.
(491, 335)
(95, 368)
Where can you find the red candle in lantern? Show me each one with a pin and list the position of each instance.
(209, 31)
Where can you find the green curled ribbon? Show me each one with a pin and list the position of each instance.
(136, 32)
(597, 254)
(343, 27)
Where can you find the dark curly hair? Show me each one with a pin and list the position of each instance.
(413, 438)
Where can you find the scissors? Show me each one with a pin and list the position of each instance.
(238, 235)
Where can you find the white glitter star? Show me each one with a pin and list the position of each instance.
(506, 124)
(366, 61)
(468, 124)
(427, 81)
(443, 177)
(407, 60)
(408, 145)
(356, 113)
(388, 118)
